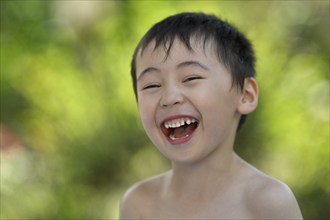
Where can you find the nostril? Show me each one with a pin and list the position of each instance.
(166, 104)
(170, 101)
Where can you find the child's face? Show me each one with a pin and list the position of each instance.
(186, 86)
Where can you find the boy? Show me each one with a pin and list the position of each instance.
(193, 76)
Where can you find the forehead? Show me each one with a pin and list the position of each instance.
(176, 53)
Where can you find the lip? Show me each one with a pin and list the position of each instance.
(180, 140)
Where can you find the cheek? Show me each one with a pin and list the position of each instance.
(146, 110)
(218, 108)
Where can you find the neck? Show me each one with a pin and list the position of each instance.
(206, 177)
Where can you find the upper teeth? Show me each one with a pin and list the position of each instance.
(179, 122)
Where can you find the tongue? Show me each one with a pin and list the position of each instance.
(183, 131)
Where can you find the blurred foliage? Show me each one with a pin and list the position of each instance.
(71, 139)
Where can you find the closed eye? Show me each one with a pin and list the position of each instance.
(191, 78)
(151, 86)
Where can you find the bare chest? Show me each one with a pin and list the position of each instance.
(226, 206)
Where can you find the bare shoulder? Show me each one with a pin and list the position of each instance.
(138, 198)
(271, 199)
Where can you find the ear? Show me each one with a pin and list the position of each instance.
(249, 98)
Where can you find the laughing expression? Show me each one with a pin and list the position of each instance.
(187, 103)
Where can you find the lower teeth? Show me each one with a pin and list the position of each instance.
(172, 137)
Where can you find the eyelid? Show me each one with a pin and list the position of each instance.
(150, 86)
(191, 78)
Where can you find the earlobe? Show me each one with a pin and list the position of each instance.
(249, 97)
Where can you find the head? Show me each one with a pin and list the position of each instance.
(230, 46)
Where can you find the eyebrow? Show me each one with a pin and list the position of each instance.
(192, 63)
(147, 70)
(180, 65)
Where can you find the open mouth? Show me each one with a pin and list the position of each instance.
(179, 129)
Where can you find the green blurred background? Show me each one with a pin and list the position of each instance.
(71, 138)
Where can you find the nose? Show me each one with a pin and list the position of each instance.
(171, 96)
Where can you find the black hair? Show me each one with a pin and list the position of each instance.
(232, 48)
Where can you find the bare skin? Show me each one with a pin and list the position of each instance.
(242, 193)
(207, 180)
